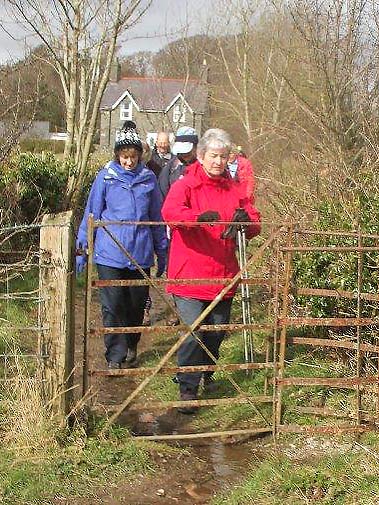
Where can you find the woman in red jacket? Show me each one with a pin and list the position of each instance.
(241, 170)
(206, 194)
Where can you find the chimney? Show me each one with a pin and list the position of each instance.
(204, 72)
(115, 72)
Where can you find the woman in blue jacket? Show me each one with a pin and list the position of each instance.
(124, 190)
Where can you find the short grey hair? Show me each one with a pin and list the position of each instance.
(214, 138)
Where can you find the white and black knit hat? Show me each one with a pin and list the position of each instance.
(128, 137)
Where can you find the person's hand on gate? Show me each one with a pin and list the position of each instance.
(240, 216)
(81, 259)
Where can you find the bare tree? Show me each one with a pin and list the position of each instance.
(338, 41)
(19, 99)
(248, 93)
(81, 37)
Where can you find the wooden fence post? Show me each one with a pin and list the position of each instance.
(56, 282)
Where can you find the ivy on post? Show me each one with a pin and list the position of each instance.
(56, 284)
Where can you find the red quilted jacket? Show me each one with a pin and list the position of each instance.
(199, 251)
(245, 175)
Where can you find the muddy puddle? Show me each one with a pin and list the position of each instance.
(222, 463)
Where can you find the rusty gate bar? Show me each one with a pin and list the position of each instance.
(192, 327)
(328, 342)
(270, 317)
(283, 332)
(269, 224)
(340, 382)
(336, 293)
(275, 340)
(87, 304)
(335, 233)
(323, 430)
(141, 282)
(359, 328)
(235, 400)
(328, 321)
(173, 369)
(177, 327)
(330, 249)
(213, 434)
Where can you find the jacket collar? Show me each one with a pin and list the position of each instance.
(115, 171)
(197, 176)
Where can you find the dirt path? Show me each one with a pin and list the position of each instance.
(188, 477)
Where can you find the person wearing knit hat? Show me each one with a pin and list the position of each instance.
(128, 137)
(124, 190)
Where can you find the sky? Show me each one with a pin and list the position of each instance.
(150, 35)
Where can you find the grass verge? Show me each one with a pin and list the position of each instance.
(40, 461)
(346, 476)
(80, 466)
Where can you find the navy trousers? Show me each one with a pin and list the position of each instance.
(190, 352)
(121, 306)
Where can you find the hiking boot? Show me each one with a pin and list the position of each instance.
(210, 385)
(188, 396)
(113, 365)
(173, 321)
(131, 358)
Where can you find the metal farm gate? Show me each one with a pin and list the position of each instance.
(269, 269)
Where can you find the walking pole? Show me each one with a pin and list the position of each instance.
(245, 300)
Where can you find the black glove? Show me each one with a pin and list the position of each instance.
(208, 216)
(239, 216)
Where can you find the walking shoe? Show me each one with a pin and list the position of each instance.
(188, 396)
(113, 365)
(173, 321)
(131, 358)
(210, 385)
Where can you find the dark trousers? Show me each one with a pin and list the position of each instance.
(190, 352)
(121, 306)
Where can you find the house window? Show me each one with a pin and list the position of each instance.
(126, 111)
(151, 138)
(179, 114)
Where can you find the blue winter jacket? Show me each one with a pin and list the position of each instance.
(125, 195)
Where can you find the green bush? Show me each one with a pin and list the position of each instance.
(329, 270)
(32, 184)
(41, 145)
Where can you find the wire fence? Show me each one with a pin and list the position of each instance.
(20, 301)
(35, 279)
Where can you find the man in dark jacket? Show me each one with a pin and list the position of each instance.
(184, 149)
(161, 154)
